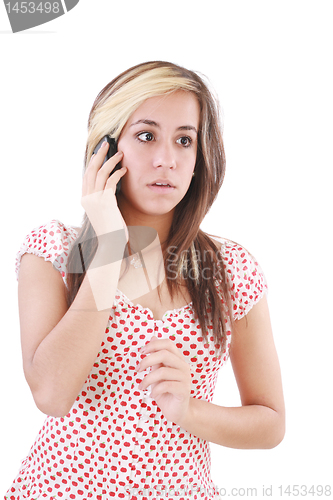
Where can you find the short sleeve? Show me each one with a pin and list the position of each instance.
(52, 241)
(245, 276)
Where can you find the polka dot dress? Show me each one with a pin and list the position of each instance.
(115, 442)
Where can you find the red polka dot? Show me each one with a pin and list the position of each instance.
(115, 435)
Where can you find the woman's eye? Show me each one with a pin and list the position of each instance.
(185, 141)
(145, 136)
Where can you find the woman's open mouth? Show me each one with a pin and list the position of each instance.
(161, 187)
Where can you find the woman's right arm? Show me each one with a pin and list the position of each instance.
(60, 344)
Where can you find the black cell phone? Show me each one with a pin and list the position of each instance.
(111, 151)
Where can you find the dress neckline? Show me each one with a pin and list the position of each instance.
(145, 310)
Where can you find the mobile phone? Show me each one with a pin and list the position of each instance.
(111, 151)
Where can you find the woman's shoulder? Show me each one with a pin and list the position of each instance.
(50, 241)
(246, 280)
(230, 250)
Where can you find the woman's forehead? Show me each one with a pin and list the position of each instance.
(169, 108)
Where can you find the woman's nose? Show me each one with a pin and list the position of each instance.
(164, 156)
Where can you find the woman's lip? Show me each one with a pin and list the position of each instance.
(161, 189)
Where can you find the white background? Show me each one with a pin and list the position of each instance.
(271, 65)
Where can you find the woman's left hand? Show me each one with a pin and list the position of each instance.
(170, 378)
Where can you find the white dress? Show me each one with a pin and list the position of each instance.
(115, 442)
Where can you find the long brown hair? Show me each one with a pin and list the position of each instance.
(189, 254)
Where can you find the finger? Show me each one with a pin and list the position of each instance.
(104, 172)
(164, 357)
(113, 180)
(156, 367)
(160, 375)
(95, 163)
(172, 387)
(159, 344)
(86, 176)
(96, 159)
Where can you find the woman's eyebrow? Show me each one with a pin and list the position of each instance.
(147, 122)
(188, 127)
(155, 124)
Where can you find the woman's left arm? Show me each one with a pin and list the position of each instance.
(260, 421)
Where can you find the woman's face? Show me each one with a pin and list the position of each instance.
(159, 142)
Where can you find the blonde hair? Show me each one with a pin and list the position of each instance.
(119, 99)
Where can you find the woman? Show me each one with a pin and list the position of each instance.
(125, 352)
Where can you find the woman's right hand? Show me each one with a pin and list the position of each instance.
(98, 192)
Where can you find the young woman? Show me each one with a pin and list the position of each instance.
(123, 354)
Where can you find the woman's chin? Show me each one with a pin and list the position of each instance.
(152, 208)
